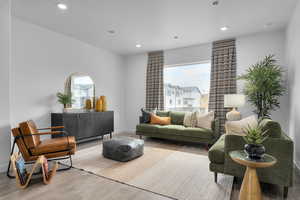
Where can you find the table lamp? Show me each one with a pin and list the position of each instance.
(233, 101)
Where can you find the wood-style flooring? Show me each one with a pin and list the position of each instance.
(80, 185)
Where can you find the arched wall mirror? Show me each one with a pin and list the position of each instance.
(81, 87)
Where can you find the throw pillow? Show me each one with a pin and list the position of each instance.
(205, 120)
(146, 115)
(238, 127)
(190, 119)
(160, 120)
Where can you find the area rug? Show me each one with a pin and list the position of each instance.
(166, 171)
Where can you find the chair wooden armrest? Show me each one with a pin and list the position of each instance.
(46, 133)
(49, 133)
(53, 127)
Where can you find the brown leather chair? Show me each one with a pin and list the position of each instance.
(27, 138)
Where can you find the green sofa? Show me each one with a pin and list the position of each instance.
(177, 131)
(278, 145)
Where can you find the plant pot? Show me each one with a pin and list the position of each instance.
(254, 151)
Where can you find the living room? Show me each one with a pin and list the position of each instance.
(44, 44)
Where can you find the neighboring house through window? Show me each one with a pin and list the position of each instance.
(187, 86)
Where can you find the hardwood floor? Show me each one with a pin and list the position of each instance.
(79, 185)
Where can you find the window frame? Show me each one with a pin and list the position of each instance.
(185, 64)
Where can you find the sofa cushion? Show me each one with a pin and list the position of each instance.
(273, 128)
(177, 117)
(147, 128)
(198, 132)
(183, 131)
(162, 113)
(216, 153)
(172, 129)
(190, 119)
(204, 120)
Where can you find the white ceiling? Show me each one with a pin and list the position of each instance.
(154, 23)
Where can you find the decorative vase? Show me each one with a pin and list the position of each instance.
(104, 103)
(99, 105)
(255, 151)
(88, 104)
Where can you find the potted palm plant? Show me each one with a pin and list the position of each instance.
(264, 86)
(254, 138)
(64, 99)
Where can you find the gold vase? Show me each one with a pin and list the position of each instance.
(99, 105)
(104, 103)
(88, 104)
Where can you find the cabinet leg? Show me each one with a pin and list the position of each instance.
(110, 135)
(216, 177)
(285, 192)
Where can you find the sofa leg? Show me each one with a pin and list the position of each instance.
(216, 177)
(207, 147)
(285, 191)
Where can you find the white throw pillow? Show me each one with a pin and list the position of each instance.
(190, 119)
(205, 120)
(238, 127)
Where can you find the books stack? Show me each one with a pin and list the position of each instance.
(21, 170)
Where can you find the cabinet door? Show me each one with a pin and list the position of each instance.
(70, 122)
(107, 122)
(98, 120)
(85, 124)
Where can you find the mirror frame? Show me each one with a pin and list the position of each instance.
(68, 88)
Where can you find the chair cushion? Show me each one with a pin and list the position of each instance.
(55, 144)
(177, 117)
(29, 128)
(238, 127)
(216, 153)
(147, 128)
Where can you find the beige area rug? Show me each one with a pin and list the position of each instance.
(166, 171)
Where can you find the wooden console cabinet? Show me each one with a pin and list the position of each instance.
(86, 125)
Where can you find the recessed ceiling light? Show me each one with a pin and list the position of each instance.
(111, 31)
(62, 6)
(269, 24)
(138, 45)
(224, 28)
(215, 3)
(176, 37)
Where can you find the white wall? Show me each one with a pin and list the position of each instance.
(255, 47)
(4, 82)
(41, 62)
(249, 50)
(293, 62)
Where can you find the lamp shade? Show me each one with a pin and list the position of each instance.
(234, 100)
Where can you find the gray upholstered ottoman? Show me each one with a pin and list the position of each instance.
(123, 148)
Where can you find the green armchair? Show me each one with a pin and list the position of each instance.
(278, 145)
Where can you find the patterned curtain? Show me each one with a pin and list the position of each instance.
(223, 77)
(155, 81)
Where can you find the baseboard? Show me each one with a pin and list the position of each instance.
(3, 167)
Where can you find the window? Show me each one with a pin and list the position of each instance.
(189, 85)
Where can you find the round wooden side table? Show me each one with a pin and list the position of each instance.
(250, 189)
